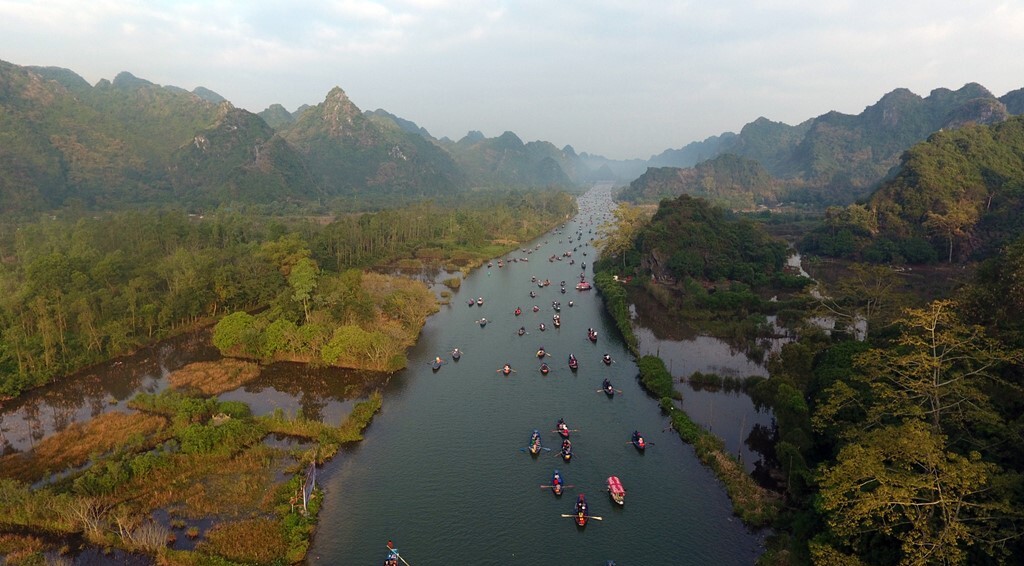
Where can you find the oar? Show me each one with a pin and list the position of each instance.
(395, 551)
(594, 517)
(563, 487)
(645, 443)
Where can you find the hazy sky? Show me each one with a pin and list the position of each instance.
(617, 78)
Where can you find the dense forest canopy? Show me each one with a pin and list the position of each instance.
(80, 290)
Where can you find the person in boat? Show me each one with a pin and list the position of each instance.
(544, 368)
(522, 330)
(506, 369)
(456, 353)
(437, 360)
(571, 303)
(606, 384)
(533, 294)
(541, 353)
(608, 359)
(535, 308)
(519, 311)
(542, 327)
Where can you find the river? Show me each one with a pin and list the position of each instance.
(441, 470)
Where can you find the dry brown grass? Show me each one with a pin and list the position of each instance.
(206, 485)
(74, 445)
(250, 541)
(21, 549)
(214, 378)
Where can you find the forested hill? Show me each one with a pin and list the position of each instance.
(689, 238)
(838, 158)
(130, 142)
(727, 180)
(957, 196)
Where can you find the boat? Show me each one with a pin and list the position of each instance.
(533, 294)
(616, 491)
(480, 301)
(607, 359)
(582, 511)
(557, 483)
(506, 369)
(437, 363)
(592, 334)
(608, 389)
(471, 302)
(638, 441)
(456, 354)
(535, 446)
(535, 308)
(574, 364)
(558, 322)
(521, 331)
(518, 311)
(562, 428)
(583, 286)
(566, 451)
(544, 369)
(542, 327)
(392, 558)
(541, 353)
(482, 322)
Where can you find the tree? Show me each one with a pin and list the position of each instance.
(937, 371)
(901, 482)
(868, 294)
(617, 235)
(951, 224)
(303, 280)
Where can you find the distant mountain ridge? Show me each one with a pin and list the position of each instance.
(130, 142)
(839, 158)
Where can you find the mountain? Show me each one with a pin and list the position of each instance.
(276, 116)
(839, 158)
(728, 180)
(352, 154)
(507, 161)
(406, 125)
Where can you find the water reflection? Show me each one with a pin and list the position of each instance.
(322, 394)
(97, 390)
(729, 414)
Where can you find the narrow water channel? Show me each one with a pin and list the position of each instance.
(442, 471)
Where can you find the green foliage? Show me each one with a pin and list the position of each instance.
(955, 196)
(656, 378)
(688, 238)
(726, 180)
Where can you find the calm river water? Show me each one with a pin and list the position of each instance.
(442, 472)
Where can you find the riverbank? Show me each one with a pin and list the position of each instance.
(756, 506)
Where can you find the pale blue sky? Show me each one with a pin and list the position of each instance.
(620, 78)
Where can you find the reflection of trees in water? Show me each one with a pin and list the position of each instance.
(667, 325)
(316, 388)
(762, 440)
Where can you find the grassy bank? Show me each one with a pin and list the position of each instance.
(754, 505)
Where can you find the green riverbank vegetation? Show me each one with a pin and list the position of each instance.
(898, 444)
(78, 289)
(180, 466)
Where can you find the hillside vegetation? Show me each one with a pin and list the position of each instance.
(957, 196)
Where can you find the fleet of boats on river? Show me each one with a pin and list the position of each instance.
(535, 446)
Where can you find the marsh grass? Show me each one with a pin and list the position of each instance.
(21, 549)
(76, 444)
(259, 540)
(216, 377)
